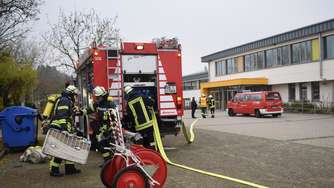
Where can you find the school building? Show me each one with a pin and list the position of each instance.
(299, 64)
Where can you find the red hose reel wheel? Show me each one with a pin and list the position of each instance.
(130, 177)
(110, 168)
(150, 157)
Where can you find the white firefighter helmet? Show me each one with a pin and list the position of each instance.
(210, 96)
(71, 89)
(128, 89)
(99, 91)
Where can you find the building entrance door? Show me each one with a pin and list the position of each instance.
(217, 95)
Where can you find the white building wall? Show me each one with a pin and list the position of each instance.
(297, 92)
(283, 89)
(327, 91)
(328, 69)
(281, 75)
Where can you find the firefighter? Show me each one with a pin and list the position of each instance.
(102, 106)
(62, 119)
(212, 105)
(203, 105)
(138, 111)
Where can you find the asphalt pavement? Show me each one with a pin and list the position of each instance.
(295, 150)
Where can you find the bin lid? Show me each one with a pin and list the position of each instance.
(10, 113)
(18, 110)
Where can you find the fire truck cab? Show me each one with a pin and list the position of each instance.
(153, 69)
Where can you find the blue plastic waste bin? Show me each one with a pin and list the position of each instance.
(19, 126)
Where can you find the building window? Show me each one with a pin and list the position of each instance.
(303, 91)
(254, 61)
(191, 85)
(301, 52)
(283, 55)
(315, 91)
(231, 66)
(292, 92)
(220, 67)
(329, 47)
(271, 58)
(260, 60)
(248, 63)
(278, 57)
(315, 50)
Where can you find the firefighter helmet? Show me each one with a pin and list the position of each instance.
(99, 91)
(203, 95)
(128, 89)
(210, 96)
(71, 89)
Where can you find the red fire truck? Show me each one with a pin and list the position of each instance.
(153, 69)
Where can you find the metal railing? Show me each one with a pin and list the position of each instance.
(309, 107)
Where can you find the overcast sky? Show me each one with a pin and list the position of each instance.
(203, 27)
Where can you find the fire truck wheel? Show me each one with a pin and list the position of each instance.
(110, 168)
(131, 176)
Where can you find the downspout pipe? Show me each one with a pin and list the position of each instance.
(321, 44)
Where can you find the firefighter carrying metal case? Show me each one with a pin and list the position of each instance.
(66, 146)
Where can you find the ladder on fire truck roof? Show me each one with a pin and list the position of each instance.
(115, 83)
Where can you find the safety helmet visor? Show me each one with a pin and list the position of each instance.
(128, 89)
(71, 89)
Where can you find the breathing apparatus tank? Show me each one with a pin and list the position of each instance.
(52, 99)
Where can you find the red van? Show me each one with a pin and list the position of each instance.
(258, 103)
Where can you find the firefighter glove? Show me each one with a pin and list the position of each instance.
(138, 137)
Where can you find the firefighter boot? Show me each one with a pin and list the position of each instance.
(70, 169)
(55, 172)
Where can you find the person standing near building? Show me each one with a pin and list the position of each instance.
(193, 107)
(62, 119)
(212, 105)
(203, 105)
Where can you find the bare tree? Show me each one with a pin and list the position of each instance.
(14, 16)
(75, 32)
(30, 51)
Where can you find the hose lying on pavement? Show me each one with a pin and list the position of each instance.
(190, 139)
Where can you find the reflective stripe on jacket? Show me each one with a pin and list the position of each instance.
(140, 114)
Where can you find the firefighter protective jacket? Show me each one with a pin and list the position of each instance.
(203, 102)
(62, 117)
(138, 110)
(211, 103)
(104, 117)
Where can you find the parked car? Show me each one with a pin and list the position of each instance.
(257, 103)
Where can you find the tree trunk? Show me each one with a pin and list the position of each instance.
(5, 99)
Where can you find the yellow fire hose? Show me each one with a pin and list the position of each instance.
(189, 136)
(190, 139)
